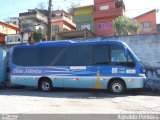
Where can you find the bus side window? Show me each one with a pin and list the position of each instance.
(26, 56)
(55, 56)
(79, 55)
(101, 55)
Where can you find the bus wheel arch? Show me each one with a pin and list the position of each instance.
(45, 84)
(116, 85)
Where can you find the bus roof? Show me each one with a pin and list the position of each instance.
(68, 43)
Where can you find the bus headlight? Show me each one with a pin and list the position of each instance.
(142, 75)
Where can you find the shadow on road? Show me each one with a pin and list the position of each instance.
(74, 93)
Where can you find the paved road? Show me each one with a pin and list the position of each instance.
(15, 101)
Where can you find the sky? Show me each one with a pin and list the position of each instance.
(12, 8)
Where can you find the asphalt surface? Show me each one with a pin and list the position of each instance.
(72, 101)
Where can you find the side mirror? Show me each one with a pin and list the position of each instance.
(125, 52)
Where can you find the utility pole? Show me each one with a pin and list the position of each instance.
(49, 20)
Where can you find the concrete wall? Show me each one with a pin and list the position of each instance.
(146, 47)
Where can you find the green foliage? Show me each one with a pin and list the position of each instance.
(38, 35)
(119, 3)
(125, 26)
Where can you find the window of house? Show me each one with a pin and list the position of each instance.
(58, 14)
(145, 25)
(55, 28)
(105, 25)
(104, 7)
(88, 26)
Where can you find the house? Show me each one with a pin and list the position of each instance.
(61, 22)
(83, 17)
(36, 18)
(84, 28)
(147, 22)
(13, 20)
(32, 20)
(105, 12)
(7, 29)
(95, 19)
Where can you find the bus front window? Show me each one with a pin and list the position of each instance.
(118, 56)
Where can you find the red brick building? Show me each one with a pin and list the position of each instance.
(147, 22)
(104, 14)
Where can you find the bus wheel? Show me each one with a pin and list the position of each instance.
(45, 85)
(117, 87)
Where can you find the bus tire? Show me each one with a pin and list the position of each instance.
(45, 85)
(117, 87)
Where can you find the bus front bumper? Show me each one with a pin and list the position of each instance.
(135, 82)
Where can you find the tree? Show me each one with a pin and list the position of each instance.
(119, 3)
(72, 6)
(38, 35)
(41, 5)
(125, 26)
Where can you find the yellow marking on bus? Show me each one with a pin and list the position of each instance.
(98, 84)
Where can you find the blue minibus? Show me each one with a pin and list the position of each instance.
(68, 64)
